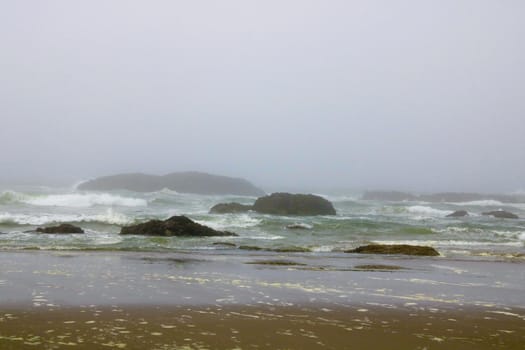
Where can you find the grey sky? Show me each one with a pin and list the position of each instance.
(420, 95)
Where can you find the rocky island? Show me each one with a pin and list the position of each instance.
(184, 182)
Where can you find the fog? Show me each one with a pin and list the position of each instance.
(413, 95)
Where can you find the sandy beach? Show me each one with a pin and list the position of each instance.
(226, 300)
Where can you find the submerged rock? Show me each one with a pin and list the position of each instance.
(502, 214)
(458, 214)
(374, 267)
(174, 226)
(293, 204)
(299, 226)
(275, 263)
(225, 244)
(62, 228)
(395, 249)
(229, 208)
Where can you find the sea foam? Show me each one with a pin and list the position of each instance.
(78, 200)
(109, 217)
(427, 211)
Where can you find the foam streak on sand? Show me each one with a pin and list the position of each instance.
(209, 300)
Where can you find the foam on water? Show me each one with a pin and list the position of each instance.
(449, 243)
(484, 203)
(108, 217)
(7, 197)
(77, 200)
(231, 221)
(427, 211)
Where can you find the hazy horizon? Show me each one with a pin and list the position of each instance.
(405, 95)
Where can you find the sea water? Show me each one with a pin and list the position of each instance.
(358, 222)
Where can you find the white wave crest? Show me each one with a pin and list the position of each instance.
(522, 236)
(11, 197)
(109, 217)
(231, 221)
(486, 202)
(450, 243)
(427, 211)
(78, 200)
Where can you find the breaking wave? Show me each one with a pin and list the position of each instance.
(427, 211)
(74, 200)
(109, 217)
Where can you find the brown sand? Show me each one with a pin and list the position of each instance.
(237, 327)
(215, 301)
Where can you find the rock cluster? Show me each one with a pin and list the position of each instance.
(281, 204)
(404, 249)
(174, 226)
(62, 228)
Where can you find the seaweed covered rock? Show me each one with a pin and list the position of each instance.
(404, 249)
(174, 226)
(62, 228)
(293, 204)
(501, 214)
(228, 208)
(458, 214)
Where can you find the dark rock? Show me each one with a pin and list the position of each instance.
(293, 204)
(299, 226)
(250, 247)
(62, 228)
(458, 214)
(275, 263)
(291, 250)
(174, 226)
(395, 249)
(228, 208)
(502, 214)
(378, 267)
(224, 244)
(452, 197)
(277, 250)
(184, 182)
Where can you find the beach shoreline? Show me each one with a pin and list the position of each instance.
(281, 301)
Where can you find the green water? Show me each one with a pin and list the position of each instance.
(358, 222)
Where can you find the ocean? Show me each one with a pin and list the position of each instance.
(358, 222)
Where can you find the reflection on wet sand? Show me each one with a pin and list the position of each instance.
(249, 301)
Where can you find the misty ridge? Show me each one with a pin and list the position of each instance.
(209, 184)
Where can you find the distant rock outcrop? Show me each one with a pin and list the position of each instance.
(184, 182)
(62, 228)
(293, 204)
(451, 197)
(458, 214)
(404, 249)
(174, 226)
(230, 208)
(501, 214)
(281, 204)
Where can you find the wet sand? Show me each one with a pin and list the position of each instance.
(211, 300)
